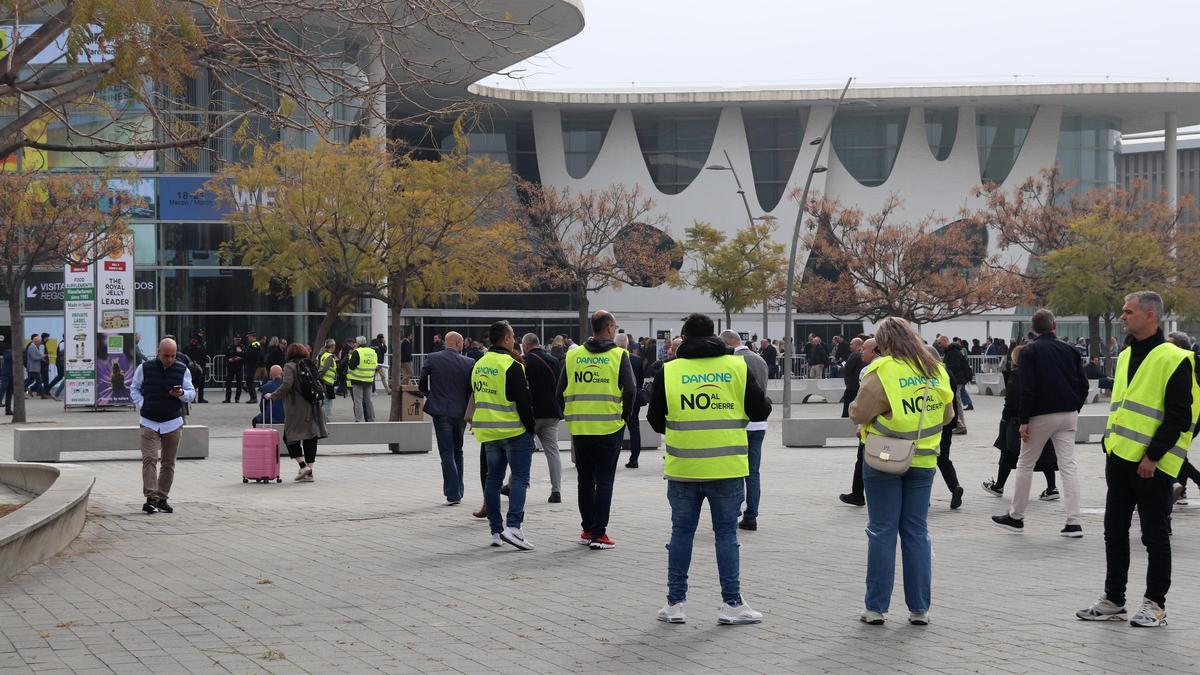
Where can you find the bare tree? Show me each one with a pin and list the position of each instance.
(104, 76)
(572, 236)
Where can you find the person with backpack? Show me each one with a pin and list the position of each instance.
(304, 423)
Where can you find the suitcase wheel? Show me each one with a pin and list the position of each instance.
(245, 480)
(278, 480)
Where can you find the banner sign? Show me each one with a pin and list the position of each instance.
(114, 286)
(79, 288)
(186, 199)
(44, 292)
(114, 368)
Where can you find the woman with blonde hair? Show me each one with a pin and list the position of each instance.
(905, 394)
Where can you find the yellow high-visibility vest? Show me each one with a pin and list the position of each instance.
(496, 417)
(368, 361)
(330, 375)
(706, 418)
(593, 393)
(906, 388)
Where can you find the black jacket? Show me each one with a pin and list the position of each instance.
(625, 380)
(854, 367)
(957, 365)
(1052, 378)
(543, 372)
(758, 407)
(1177, 416)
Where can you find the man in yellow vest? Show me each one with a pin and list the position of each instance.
(503, 424)
(1155, 403)
(596, 392)
(360, 375)
(327, 371)
(701, 402)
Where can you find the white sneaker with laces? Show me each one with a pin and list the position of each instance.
(1151, 614)
(515, 537)
(1103, 610)
(918, 618)
(672, 613)
(304, 472)
(496, 539)
(736, 616)
(1049, 495)
(871, 617)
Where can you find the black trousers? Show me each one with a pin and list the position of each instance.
(635, 434)
(596, 465)
(1152, 499)
(1188, 472)
(200, 385)
(944, 464)
(310, 450)
(251, 384)
(856, 483)
(233, 382)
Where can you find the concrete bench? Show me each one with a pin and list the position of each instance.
(830, 389)
(650, 438)
(400, 437)
(1093, 395)
(45, 444)
(817, 431)
(990, 384)
(1090, 425)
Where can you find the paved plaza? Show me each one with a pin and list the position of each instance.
(365, 570)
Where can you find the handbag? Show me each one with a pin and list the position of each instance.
(893, 455)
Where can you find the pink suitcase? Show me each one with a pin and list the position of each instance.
(260, 454)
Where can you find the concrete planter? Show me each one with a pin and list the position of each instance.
(43, 527)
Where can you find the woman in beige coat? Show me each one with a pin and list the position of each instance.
(304, 422)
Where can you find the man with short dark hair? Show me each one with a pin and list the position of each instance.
(159, 388)
(1053, 390)
(596, 391)
(706, 459)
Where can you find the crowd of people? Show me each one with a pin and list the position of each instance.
(706, 393)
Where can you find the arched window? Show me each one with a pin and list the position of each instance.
(675, 146)
(583, 136)
(867, 143)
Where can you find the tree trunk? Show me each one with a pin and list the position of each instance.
(728, 319)
(323, 329)
(1094, 335)
(585, 316)
(18, 352)
(395, 332)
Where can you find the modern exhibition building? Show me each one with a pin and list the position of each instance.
(929, 145)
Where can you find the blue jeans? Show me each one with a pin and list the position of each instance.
(966, 397)
(449, 434)
(753, 482)
(724, 501)
(514, 453)
(898, 505)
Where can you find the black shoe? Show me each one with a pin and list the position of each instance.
(150, 506)
(1076, 531)
(989, 486)
(631, 464)
(1009, 523)
(252, 401)
(164, 506)
(956, 497)
(504, 490)
(748, 524)
(970, 407)
(555, 498)
(853, 499)
(202, 401)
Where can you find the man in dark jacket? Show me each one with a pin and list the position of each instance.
(635, 424)
(446, 382)
(197, 351)
(959, 369)
(251, 357)
(6, 376)
(854, 367)
(769, 354)
(543, 372)
(159, 388)
(724, 495)
(234, 367)
(596, 454)
(818, 359)
(1053, 389)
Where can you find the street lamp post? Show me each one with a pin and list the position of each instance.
(728, 166)
(788, 342)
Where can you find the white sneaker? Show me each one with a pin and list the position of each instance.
(1103, 610)
(736, 616)
(672, 613)
(496, 539)
(304, 472)
(515, 537)
(918, 618)
(871, 617)
(1151, 614)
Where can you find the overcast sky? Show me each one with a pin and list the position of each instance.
(730, 43)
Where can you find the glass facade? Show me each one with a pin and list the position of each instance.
(507, 141)
(1087, 151)
(675, 146)
(1000, 137)
(774, 139)
(941, 129)
(867, 143)
(583, 136)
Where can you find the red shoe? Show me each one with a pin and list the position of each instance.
(602, 543)
(585, 537)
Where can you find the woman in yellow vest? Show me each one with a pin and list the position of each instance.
(895, 389)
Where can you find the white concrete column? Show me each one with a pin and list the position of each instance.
(376, 127)
(1171, 159)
